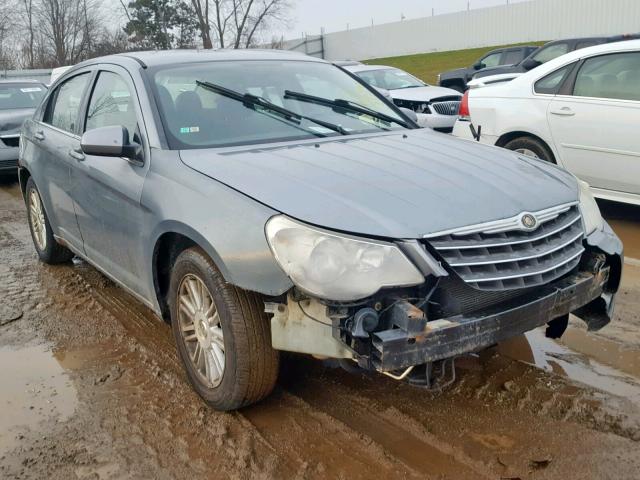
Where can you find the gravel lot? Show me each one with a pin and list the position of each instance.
(91, 388)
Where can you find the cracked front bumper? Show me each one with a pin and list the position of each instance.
(589, 293)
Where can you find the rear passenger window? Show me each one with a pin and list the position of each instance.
(512, 57)
(64, 104)
(111, 104)
(552, 83)
(615, 76)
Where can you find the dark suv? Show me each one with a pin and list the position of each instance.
(549, 51)
(457, 79)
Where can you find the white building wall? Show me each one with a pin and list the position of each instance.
(506, 24)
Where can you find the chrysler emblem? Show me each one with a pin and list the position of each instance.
(529, 221)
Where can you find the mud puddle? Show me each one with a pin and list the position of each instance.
(35, 388)
(588, 359)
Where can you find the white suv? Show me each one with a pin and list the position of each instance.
(581, 111)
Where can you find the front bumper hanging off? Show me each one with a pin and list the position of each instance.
(589, 293)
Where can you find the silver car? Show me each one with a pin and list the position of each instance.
(265, 201)
(18, 101)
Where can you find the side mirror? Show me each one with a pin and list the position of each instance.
(530, 64)
(409, 113)
(110, 142)
(478, 66)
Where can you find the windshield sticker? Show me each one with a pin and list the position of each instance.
(189, 129)
(30, 89)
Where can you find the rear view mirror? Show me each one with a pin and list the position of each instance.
(110, 142)
(530, 64)
(478, 66)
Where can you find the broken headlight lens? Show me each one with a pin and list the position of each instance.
(589, 208)
(335, 267)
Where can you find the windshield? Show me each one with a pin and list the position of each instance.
(390, 79)
(14, 96)
(202, 104)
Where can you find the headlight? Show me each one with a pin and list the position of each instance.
(589, 208)
(334, 267)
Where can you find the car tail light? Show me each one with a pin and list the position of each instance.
(464, 106)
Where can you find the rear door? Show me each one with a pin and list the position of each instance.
(595, 126)
(107, 190)
(57, 142)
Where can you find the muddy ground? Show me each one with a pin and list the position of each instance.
(90, 387)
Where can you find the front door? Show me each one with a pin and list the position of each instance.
(596, 128)
(107, 190)
(57, 138)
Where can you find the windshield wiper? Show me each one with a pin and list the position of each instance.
(252, 101)
(348, 105)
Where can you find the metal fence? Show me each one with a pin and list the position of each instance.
(519, 22)
(42, 74)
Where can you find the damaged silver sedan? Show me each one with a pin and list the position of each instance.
(267, 201)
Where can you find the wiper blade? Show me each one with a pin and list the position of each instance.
(345, 105)
(251, 101)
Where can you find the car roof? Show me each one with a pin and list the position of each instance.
(171, 57)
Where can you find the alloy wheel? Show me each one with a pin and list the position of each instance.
(38, 224)
(201, 330)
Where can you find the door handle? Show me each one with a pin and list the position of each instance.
(564, 111)
(77, 155)
(39, 135)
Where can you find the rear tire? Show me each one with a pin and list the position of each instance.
(49, 250)
(532, 147)
(249, 363)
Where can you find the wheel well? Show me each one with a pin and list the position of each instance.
(507, 137)
(167, 249)
(23, 177)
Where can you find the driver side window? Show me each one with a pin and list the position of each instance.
(492, 60)
(111, 104)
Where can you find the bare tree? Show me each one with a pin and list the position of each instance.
(201, 7)
(238, 22)
(67, 27)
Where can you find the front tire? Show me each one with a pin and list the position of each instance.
(531, 147)
(222, 334)
(49, 250)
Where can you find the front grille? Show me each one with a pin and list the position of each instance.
(446, 108)
(11, 141)
(455, 297)
(8, 164)
(502, 256)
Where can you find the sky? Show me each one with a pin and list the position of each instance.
(309, 16)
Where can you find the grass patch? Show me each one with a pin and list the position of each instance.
(427, 66)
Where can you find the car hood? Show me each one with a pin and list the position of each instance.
(423, 94)
(458, 72)
(396, 185)
(11, 120)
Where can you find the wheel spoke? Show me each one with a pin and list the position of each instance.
(192, 286)
(218, 358)
(217, 337)
(186, 306)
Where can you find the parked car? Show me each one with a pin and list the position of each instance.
(435, 107)
(582, 112)
(549, 51)
(274, 202)
(457, 79)
(18, 101)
